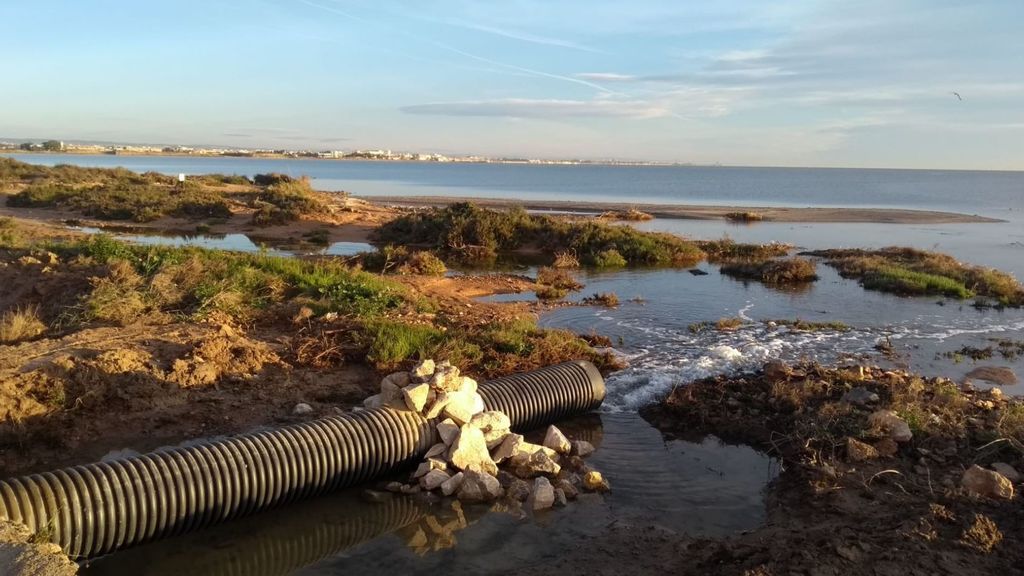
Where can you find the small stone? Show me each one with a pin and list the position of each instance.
(460, 407)
(468, 385)
(451, 485)
(595, 482)
(448, 430)
(428, 465)
(446, 379)
(411, 488)
(396, 380)
(988, 483)
(858, 451)
(415, 396)
(393, 486)
(479, 487)
(434, 479)
(567, 488)
(887, 447)
(557, 441)
(494, 425)
(374, 401)
(518, 490)
(560, 498)
(469, 452)
(436, 450)
(423, 370)
(860, 396)
(996, 393)
(508, 447)
(1008, 471)
(437, 405)
(542, 496)
(301, 409)
(539, 463)
(889, 422)
(582, 448)
(985, 404)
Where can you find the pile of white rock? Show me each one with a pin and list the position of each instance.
(478, 458)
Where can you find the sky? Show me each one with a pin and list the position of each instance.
(861, 83)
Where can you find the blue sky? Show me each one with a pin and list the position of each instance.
(801, 83)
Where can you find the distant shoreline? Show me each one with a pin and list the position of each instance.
(700, 212)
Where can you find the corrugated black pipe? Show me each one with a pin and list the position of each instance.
(97, 508)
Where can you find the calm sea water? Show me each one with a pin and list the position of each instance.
(996, 194)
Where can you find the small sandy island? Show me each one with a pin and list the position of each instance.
(693, 212)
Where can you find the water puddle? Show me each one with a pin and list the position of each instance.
(231, 242)
(705, 488)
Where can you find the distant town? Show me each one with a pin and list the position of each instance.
(62, 147)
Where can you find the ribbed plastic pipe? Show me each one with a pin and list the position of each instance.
(96, 508)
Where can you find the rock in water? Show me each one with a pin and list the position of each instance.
(858, 451)
(539, 463)
(479, 487)
(518, 490)
(543, 495)
(582, 448)
(434, 479)
(987, 483)
(557, 441)
(448, 430)
(889, 422)
(451, 485)
(595, 482)
(301, 409)
(560, 498)
(423, 370)
(415, 396)
(567, 488)
(469, 452)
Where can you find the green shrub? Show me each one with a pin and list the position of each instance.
(392, 342)
(609, 259)
(782, 271)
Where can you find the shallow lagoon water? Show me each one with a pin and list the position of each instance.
(232, 242)
(701, 488)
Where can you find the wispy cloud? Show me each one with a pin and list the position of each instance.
(542, 108)
(513, 34)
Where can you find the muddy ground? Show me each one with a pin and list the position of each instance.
(899, 509)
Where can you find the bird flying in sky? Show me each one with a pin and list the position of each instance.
(957, 94)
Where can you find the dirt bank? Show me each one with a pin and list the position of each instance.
(697, 212)
(859, 493)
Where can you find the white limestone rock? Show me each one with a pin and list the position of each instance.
(557, 441)
(469, 452)
(543, 495)
(415, 396)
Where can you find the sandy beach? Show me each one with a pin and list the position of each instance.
(698, 212)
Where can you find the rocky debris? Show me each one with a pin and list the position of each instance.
(860, 396)
(998, 375)
(495, 426)
(542, 496)
(302, 409)
(448, 430)
(539, 463)
(595, 482)
(434, 479)
(987, 483)
(567, 487)
(473, 441)
(1009, 472)
(582, 448)
(858, 451)
(479, 487)
(415, 396)
(451, 485)
(890, 423)
(557, 441)
(469, 451)
(423, 370)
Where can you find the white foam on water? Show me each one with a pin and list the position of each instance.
(680, 358)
